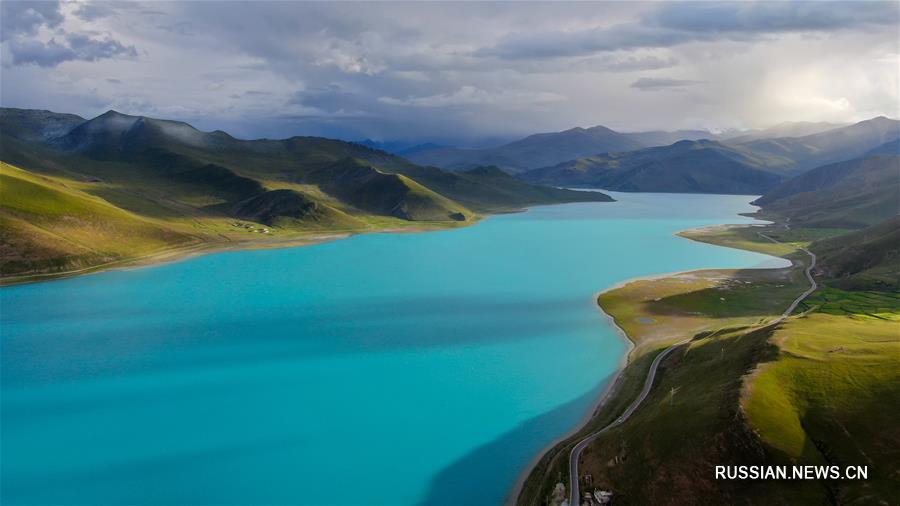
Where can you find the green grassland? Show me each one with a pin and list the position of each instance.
(821, 387)
(748, 238)
(832, 396)
(686, 304)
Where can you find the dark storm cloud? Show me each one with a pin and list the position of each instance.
(675, 24)
(22, 20)
(771, 17)
(73, 47)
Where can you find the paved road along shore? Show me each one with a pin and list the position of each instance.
(575, 455)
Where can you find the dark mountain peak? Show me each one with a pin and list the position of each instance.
(600, 129)
(594, 130)
(112, 113)
(111, 119)
(685, 144)
(878, 121)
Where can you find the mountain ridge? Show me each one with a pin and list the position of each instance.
(703, 166)
(214, 188)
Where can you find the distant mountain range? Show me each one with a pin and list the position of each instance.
(707, 166)
(843, 143)
(684, 167)
(534, 151)
(795, 146)
(175, 185)
(788, 129)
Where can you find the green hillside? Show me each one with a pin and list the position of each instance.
(213, 190)
(50, 225)
(851, 194)
(687, 167)
(867, 259)
(369, 189)
(290, 208)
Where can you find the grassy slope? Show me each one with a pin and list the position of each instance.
(868, 259)
(369, 189)
(850, 194)
(49, 225)
(288, 208)
(694, 417)
(832, 396)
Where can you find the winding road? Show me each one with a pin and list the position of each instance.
(575, 455)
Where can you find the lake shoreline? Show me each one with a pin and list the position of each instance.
(255, 308)
(615, 382)
(187, 252)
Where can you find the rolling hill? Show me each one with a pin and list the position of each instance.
(209, 187)
(50, 224)
(287, 208)
(850, 194)
(369, 189)
(687, 166)
(867, 259)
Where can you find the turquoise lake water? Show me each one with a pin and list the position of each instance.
(382, 369)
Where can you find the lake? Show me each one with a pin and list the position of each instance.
(381, 369)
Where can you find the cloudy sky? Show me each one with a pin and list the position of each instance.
(454, 72)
